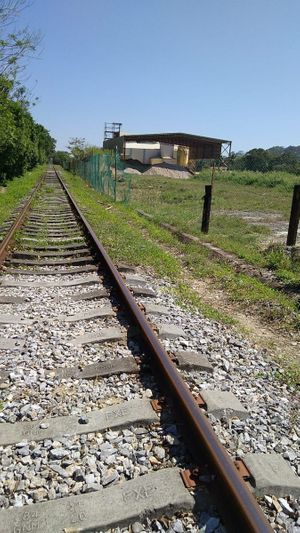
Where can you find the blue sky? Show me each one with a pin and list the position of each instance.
(221, 68)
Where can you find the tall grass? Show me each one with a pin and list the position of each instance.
(282, 181)
(16, 189)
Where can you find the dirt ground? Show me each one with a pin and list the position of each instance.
(273, 221)
(278, 345)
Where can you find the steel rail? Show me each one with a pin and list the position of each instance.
(238, 506)
(18, 222)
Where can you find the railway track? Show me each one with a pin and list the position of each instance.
(101, 431)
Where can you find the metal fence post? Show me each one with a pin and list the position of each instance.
(206, 208)
(115, 184)
(294, 218)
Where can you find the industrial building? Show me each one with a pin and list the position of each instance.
(157, 148)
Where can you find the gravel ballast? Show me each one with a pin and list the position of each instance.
(53, 468)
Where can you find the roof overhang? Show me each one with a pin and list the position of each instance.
(184, 139)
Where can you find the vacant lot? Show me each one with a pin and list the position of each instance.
(250, 212)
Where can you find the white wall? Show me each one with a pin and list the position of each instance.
(142, 154)
(166, 150)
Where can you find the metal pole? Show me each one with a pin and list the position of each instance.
(213, 171)
(115, 191)
(294, 218)
(206, 208)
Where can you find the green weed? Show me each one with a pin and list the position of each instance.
(189, 299)
(290, 375)
(281, 181)
(179, 202)
(16, 189)
(132, 238)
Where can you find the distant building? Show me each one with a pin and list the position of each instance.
(173, 148)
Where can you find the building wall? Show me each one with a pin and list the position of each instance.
(142, 154)
(205, 151)
(166, 150)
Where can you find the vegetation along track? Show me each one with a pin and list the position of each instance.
(73, 332)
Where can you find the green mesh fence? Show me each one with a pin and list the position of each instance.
(105, 173)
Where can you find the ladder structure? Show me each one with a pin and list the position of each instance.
(112, 130)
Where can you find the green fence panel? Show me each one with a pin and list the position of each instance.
(104, 171)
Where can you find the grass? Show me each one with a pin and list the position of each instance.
(49, 189)
(121, 230)
(130, 238)
(189, 299)
(280, 181)
(42, 236)
(42, 240)
(290, 375)
(179, 202)
(273, 306)
(14, 192)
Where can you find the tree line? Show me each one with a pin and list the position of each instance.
(23, 142)
(277, 159)
(273, 159)
(79, 150)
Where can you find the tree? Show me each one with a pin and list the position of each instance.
(287, 162)
(257, 159)
(77, 146)
(61, 158)
(15, 46)
(23, 142)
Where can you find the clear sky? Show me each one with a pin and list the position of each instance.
(221, 68)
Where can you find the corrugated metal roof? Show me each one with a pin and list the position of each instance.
(173, 138)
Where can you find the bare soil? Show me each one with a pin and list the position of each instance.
(275, 222)
(278, 345)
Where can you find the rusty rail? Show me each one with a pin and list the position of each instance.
(235, 501)
(18, 222)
